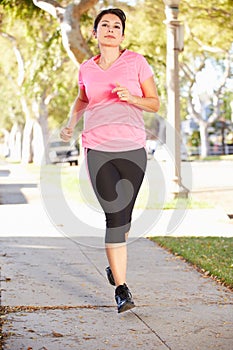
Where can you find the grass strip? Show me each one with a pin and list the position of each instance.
(213, 256)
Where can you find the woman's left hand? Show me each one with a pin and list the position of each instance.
(149, 101)
(123, 93)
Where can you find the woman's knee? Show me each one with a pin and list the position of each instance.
(117, 234)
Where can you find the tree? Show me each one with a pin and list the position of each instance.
(42, 62)
(69, 18)
(207, 45)
(208, 38)
(205, 102)
(70, 25)
(15, 135)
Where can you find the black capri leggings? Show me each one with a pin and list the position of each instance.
(116, 179)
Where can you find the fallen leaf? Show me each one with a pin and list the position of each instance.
(57, 335)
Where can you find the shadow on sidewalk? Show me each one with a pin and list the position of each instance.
(12, 193)
(4, 173)
(49, 271)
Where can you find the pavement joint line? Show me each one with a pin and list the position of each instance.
(84, 254)
(153, 331)
(90, 261)
(5, 310)
(33, 308)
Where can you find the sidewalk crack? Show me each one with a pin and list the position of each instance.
(153, 331)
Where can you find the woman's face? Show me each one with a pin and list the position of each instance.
(109, 30)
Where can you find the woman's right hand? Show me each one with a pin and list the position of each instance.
(66, 134)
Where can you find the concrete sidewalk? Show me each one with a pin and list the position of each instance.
(56, 295)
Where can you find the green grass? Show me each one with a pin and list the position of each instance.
(210, 255)
(209, 158)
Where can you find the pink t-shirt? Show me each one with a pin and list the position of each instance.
(111, 124)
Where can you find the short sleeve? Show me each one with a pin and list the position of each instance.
(144, 69)
(80, 79)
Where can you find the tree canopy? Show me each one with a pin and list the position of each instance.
(51, 51)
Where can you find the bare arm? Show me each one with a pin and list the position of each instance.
(150, 100)
(76, 113)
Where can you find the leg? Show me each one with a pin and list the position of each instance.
(117, 258)
(105, 177)
(108, 170)
(117, 198)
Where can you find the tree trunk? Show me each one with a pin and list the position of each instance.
(38, 145)
(204, 138)
(72, 38)
(5, 146)
(27, 156)
(69, 19)
(15, 143)
(41, 132)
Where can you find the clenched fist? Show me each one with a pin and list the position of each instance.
(66, 134)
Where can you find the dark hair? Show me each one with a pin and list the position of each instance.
(118, 12)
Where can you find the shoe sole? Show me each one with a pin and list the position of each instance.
(126, 306)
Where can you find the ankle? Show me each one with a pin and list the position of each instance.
(120, 284)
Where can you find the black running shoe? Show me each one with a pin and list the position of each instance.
(123, 298)
(110, 276)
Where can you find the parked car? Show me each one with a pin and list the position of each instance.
(63, 152)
